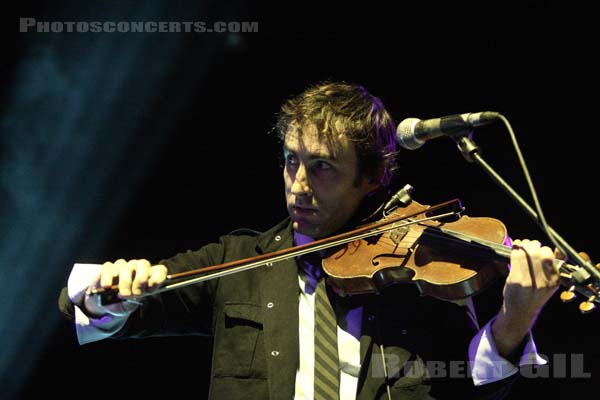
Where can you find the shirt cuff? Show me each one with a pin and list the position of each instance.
(93, 329)
(89, 329)
(488, 366)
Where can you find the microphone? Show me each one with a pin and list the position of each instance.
(413, 133)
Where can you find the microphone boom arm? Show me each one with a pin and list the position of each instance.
(470, 152)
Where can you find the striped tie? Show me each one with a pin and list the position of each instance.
(327, 376)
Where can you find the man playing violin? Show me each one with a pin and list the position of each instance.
(339, 148)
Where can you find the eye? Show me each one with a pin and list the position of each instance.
(322, 166)
(291, 160)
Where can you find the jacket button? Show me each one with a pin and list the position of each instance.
(277, 238)
(274, 353)
(270, 305)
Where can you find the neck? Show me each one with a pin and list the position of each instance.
(300, 239)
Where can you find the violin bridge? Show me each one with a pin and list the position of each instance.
(398, 234)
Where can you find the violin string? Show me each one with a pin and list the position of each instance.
(448, 236)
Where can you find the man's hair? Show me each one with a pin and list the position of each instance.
(349, 109)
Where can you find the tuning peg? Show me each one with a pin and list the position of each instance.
(568, 295)
(587, 306)
(585, 256)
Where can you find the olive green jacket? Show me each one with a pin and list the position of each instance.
(255, 346)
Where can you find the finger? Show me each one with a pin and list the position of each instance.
(534, 261)
(523, 260)
(582, 254)
(531, 245)
(526, 244)
(142, 268)
(126, 272)
(109, 272)
(547, 259)
(519, 263)
(158, 274)
(106, 274)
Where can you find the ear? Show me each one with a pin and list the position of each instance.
(373, 183)
(377, 178)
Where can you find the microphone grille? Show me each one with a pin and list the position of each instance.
(406, 134)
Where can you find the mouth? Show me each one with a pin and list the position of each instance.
(303, 211)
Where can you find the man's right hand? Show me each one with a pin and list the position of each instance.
(134, 278)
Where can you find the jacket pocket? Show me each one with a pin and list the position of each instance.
(239, 347)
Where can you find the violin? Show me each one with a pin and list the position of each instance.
(446, 260)
(410, 245)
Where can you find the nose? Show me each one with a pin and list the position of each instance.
(301, 183)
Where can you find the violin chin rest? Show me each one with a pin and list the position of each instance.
(394, 275)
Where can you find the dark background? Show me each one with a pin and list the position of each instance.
(170, 148)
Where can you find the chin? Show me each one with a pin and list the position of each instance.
(306, 229)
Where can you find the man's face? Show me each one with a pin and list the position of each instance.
(321, 186)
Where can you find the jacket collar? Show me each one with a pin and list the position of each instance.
(278, 237)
